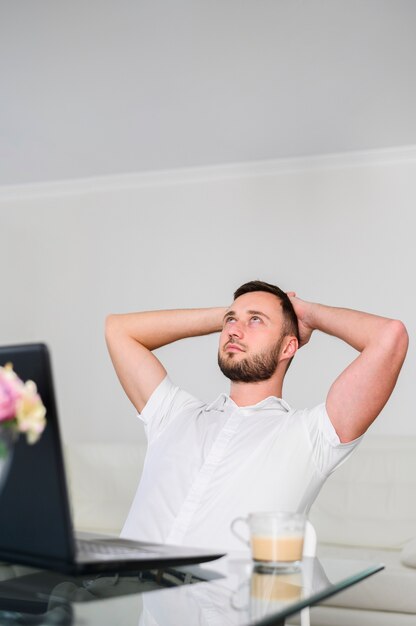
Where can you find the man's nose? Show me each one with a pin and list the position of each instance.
(235, 330)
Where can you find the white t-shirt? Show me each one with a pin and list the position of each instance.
(207, 464)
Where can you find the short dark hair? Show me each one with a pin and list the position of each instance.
(290, 326)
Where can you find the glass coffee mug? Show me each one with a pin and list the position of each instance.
(276, 538)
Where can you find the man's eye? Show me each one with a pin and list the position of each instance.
(229, 319)
(255, 318)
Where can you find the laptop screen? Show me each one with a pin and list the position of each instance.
(34, 510)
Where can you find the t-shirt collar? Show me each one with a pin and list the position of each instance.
(271, 402)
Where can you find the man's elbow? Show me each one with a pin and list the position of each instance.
(398, 338)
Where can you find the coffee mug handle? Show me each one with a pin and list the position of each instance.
(236, 521)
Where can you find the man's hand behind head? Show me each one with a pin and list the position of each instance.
(302, 310)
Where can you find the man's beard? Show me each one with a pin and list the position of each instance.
(252, 369)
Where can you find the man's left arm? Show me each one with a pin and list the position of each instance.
(360, 392)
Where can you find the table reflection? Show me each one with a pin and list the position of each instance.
(245, 595)
(227, 592)
(270, 592)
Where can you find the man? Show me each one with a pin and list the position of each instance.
(250, 451)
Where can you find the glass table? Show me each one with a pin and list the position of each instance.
(227, 592)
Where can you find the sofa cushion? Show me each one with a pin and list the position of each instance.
(335, 616)
(392, 589)
(408, 554)
(103, 478)
(369, 501)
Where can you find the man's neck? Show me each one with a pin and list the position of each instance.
(248, 394)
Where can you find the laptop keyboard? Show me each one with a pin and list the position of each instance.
(89, 547)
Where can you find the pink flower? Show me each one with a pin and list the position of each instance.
(21, 405)
(10, 392)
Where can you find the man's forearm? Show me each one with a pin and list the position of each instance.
(356, 328)
(360, 392)
(154, 329)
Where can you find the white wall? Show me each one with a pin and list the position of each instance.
(128, 85)
(339, 230)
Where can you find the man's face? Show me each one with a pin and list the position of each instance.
(251, 339)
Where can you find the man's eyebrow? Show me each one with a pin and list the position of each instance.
(258, 313)
(250, 312)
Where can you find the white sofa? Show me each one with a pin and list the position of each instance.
(366, 510)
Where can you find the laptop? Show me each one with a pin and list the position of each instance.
(35, 519)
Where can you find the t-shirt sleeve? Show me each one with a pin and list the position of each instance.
(164, 405)
(328, 451)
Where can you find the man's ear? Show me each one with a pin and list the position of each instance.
(289, 347)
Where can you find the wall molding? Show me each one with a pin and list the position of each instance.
(273, 167)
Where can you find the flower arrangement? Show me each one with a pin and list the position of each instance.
(21, 408)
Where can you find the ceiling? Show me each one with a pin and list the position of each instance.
(114, 86)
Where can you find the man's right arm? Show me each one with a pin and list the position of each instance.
(132, 337)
